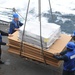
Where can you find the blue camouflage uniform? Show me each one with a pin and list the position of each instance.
(14, 24)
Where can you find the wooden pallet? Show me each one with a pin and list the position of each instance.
(34, 52)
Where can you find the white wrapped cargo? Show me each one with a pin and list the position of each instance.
(50, 33)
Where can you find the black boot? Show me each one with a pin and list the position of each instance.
(1, 62)
(0, 56)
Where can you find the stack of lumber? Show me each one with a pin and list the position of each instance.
(35, 53)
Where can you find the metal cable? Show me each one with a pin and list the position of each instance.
(6, 8)
(24, 27)
(42, 51)
(50, 10)
(14, 10)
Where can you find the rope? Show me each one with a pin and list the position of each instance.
(24, 28)
(50, 10)
(6, 8)
(14, 10)
(39, 4)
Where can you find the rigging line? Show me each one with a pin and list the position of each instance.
(20, 15)
(50, 10)
(24, 27)
(5, 8)
(14, 10)
(42, 51)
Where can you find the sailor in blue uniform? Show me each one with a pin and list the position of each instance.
(2, 43)
(69, 59)
(15, 24)
(73, 36)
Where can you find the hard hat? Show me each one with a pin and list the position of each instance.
(71, 45)
(15, 15)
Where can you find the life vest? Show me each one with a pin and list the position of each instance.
(69, 65)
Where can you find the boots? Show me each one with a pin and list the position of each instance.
(1, 62)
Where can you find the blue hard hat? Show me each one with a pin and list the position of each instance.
(15, 15)
(71, 45)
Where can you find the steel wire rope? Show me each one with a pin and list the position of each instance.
(42, 51)
(24, 28)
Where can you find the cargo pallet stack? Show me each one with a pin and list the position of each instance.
(33, 52)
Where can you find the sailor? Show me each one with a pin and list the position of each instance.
(73, 36)
(69, 59)
(15, 24)
(2, 43)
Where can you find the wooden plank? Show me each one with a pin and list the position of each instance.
(60, 44)
(36, 53)
(35, 58)
(25, 54)
(39, 54)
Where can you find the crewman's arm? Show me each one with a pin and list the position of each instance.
(64, 57)
(2, 43)
(20, 23)
(11, 28)
(3, 33)
(63, 52)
